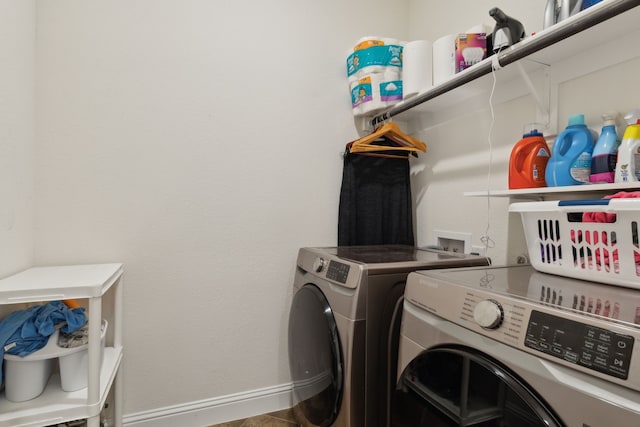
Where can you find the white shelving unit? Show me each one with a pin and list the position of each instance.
(542, 192)
(609, 21)
(608, 31)
(90, 282)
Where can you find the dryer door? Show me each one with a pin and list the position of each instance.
(453, 385)
(315, 357)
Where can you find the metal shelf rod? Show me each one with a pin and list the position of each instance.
(608, 10)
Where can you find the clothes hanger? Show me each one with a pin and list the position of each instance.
(391, 132)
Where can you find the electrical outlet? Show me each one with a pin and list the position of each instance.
(453, 241)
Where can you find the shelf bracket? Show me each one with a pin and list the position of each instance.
(541, 97)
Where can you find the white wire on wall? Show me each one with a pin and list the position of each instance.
(486, 239)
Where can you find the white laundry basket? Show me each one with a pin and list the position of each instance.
(562, 240)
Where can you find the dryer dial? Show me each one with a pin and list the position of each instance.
(319, 264)
(488, 314)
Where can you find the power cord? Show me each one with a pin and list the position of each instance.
(486, 239)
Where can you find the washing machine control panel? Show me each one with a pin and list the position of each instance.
(588, 346)
(338, 271)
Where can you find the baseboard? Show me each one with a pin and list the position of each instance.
(215, 411)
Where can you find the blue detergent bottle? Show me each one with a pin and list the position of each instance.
(605, 152)
(570, 162)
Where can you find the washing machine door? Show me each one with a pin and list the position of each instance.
(459, 386)
(315, 357)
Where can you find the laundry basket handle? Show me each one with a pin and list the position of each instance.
(586, 202)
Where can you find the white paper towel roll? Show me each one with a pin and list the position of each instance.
(480, 28)
(417, 73)
(444, 53)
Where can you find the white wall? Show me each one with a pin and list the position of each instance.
(431, 19)
(198, 142)
(17, 115)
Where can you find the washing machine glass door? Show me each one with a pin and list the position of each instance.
(315, 357)
(459, 386)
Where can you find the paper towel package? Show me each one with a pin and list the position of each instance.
(367, 42)
(471, 48)
(374, 71)
(374, 59)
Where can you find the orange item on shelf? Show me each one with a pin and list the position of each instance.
(71, 303)
(528, 161)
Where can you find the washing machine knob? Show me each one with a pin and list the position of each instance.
(319, 264)
(488, 314)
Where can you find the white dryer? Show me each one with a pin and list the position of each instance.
(340, 326)
(513, 347)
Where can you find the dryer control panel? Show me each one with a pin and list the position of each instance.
(591, 347)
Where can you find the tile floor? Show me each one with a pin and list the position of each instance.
(283, 418)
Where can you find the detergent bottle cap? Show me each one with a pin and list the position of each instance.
(632, 117)
(577, 119)
(609, 119)
(531, 129)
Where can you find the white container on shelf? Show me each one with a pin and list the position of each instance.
(26, 377)
(596, 240)
(74, 364)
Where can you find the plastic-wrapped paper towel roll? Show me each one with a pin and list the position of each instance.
(356, 102)
(368, 41)
(391, 87)
(417, 73)
(377, 59)
(367, 94)
(444, 54)
(376, 104)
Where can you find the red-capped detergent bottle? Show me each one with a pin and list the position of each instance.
(528, 160)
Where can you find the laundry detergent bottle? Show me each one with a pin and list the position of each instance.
(628, 164)
(570, 162)
(605, 152)
(528, 160)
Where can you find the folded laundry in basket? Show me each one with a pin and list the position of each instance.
(24, 331)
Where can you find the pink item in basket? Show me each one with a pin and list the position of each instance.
(609, 217)
(605, 217)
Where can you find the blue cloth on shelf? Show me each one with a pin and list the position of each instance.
(25, 331)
